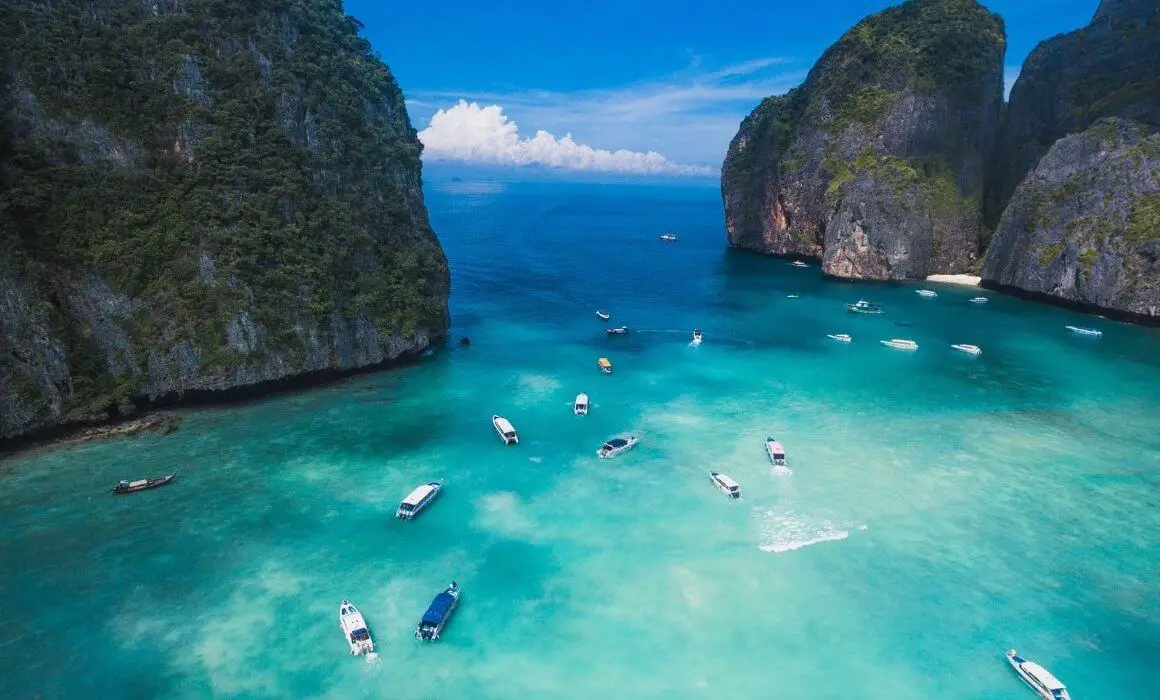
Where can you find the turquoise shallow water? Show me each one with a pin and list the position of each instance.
(941, 509)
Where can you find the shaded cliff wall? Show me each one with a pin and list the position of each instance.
(201, 195)
(1084, 225)
(1111, 68)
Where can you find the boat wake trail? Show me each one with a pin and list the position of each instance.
(785, 530)
(782, 470)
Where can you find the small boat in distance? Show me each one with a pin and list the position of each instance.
(603, 315)
(696, 336)
(506, 431)
(1038, 678)
(418, 499)
(605, 365)
(354, 628)
(840, 337)
(141, 484)
(899, 344)
(616, 446)
(927, 293)
(1079, 330)
(798, 263)
(792, 296)
(670, 237)
(623, 330)
(969, 349)
(863, 307)
(775, 451)
(725, 484)
(979, 300)
(580, 407)
(438, 613)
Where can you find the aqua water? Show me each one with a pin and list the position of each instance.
(939, 508)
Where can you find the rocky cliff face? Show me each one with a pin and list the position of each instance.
(200, 195)
(1109, 68)
(876, 163)
(1084, 226)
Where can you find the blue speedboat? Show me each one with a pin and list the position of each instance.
(438, 613)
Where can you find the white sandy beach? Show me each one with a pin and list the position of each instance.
(970, 280)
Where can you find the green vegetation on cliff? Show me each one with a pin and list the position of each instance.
(926, 46)
(207, 159)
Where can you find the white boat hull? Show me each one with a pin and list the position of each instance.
(1035, 685)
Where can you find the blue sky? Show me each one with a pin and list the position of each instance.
(672, 77)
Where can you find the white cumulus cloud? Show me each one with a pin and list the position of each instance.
(475, 134)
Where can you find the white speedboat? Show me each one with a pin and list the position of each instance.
(670, 237)
(623, 330)
(506, 431)
(979, 300)
(969, 349)
(616, 446)
(927, 293)
(725, 484)
(863, 307)
(418, 499)
(603, 315)
(840, 337)
(1080, 330)
(696, 336)
(1038, 678)
(580, 407)
(899, 344)
(798, 263)
(438, 613)
(775, 451)
(354, 628)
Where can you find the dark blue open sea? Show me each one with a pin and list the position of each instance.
(939, 508)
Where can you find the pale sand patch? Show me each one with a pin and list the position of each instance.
(971, 280)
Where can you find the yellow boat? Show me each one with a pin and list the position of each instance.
(605, 365)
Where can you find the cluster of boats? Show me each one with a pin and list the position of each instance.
(864, 307)
(435, 618)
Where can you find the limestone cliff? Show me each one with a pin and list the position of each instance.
(876, 163)
(1084, 225)
(200, 195)
(1111, 68)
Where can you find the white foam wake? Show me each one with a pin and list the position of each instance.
(784, 530)
(782, 470)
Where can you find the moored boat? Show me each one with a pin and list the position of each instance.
(776, 452)
(792, 296)
(438, 613)
(605, 365)
(927, 293)
(1080, 330)
(979, 300)
(900, 344)
(603, 315)
(126, 486)
(863, 307)
(696, 336)
(580, 407)
(616, 446)
(1038, 678)
(798, 263)
(840, 337)
(419, 499)
(506, 431)
(354, 628)
(969, 349)
(668, 237)
(725, 484)
(623, 330)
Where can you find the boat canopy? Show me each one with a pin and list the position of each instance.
(504, 425)
(616, 442)
(416, 497)
(360, 635)
(776, 447)
(726, 481)
(139, 482)
(1043, 676)
(439, 608)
